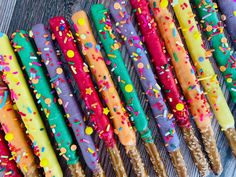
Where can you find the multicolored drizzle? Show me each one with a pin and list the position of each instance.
(42, 38)
(214, 30)
(44, 95)
(146, 75)
(20, 94)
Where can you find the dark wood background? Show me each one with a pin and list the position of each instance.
(22, 14)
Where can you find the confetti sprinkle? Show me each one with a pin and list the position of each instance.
(164, 3)
(88, 130)
(89, 91)
(9, 137)
(106, 111)
(179, 106)
(44, 162)
(59, 70)
(70, 53)
(81, 21)
(128, 88)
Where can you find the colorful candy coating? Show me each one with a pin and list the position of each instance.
(104, 27)
(146, 75)
(20, 94)
(80, 71)
(160, 59)
(43, 93)
(183, 69)
(15, 135)
(91, 51)
(42, 38)
(222, 53)
(228, 8)
(7, 164)
(206, 73)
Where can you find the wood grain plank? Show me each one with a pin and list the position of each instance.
(29, 12)
(6, 11)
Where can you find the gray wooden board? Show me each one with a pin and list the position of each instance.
(22, 14)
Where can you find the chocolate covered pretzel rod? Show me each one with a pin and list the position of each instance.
(7, 163)
(42, 38)
(206, 73)
(43, 93)
(228, 8)
(20, 94)
(125, 133)
(14, 134)
(95, 111)
(222, 53)
(103, 25)
(198, 103)
(148, 81)
(185, 73)
(214, 30)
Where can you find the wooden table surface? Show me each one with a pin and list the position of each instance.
(22, 14)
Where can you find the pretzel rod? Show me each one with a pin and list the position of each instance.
(222, 53)
(103, 25)
(94, 108)
(42, 38)
(206, 74)
(20, 94)
(156, 160)
(188, 81)
(99, 172)
(214, 30)
(15, 136)
(7, 164)
(93, 56)
(147, 78)
(44, 94)
(228, 8)
(159, 58)
(204, 68)
(119, 116)
(76, 170)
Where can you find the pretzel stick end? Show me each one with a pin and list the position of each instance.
(178, 162)
(99, 171)
(136, 161)
(76, 170)
(211, 149)
(196, 151)
(32, 172)
(230, 134)
(117, 162)
(156, 160)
